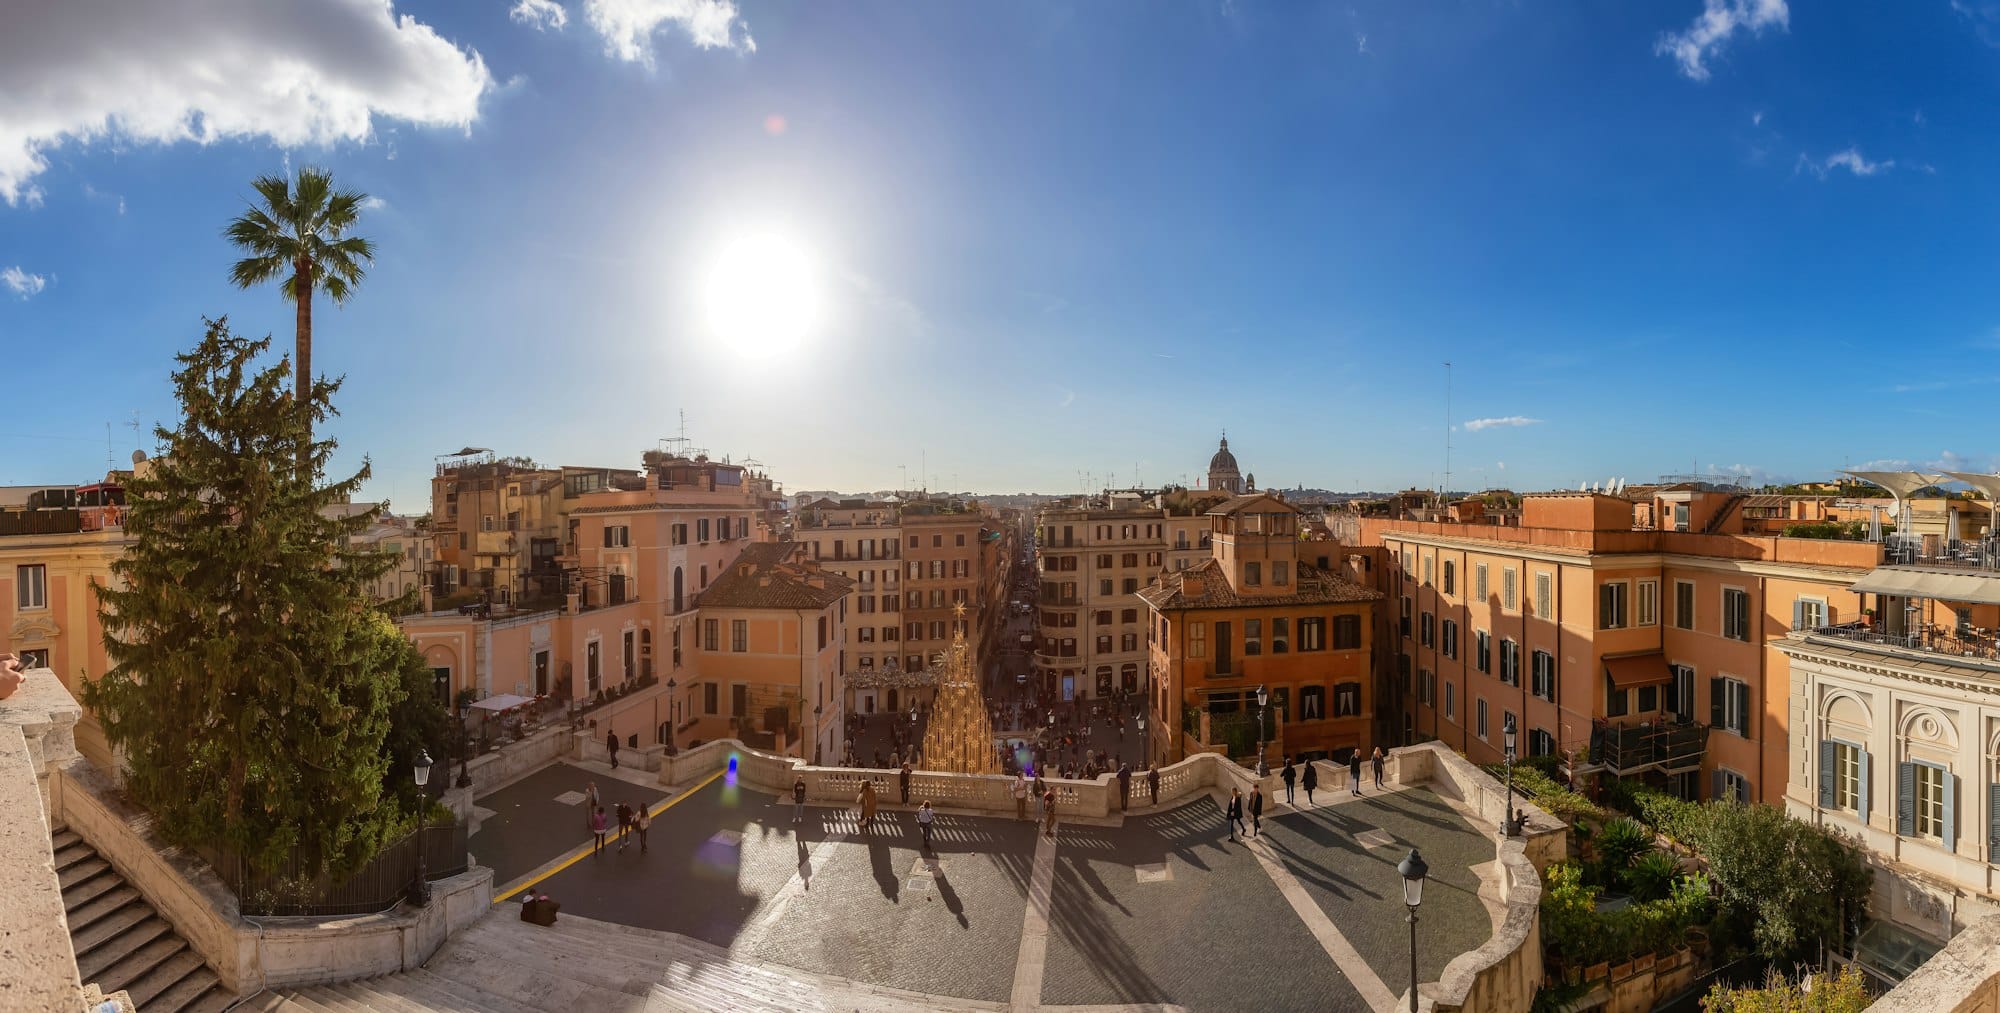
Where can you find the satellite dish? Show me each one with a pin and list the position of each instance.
(138, 457)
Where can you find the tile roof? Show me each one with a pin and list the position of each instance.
(1238, 504)
(631, 508)
(774, 575)
(1311, 586)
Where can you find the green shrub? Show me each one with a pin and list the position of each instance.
(1534, 783)
(1844, 991)
(1652, 876)
(1621, 842)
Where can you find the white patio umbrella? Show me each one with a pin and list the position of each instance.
(1951, 526)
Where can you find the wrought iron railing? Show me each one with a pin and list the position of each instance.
(377, 886)
(1638, 747)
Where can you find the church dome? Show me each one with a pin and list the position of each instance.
(1223, 459)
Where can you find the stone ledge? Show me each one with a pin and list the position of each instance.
(34, 932)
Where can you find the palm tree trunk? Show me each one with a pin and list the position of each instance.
(302, 287)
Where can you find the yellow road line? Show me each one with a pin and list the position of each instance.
(591, 845)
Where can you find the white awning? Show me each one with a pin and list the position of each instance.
(501, 702)
(1899, 483)
(1976, 587)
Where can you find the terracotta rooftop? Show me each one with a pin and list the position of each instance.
(1312, 586)
(1238, 504)
(774, 575)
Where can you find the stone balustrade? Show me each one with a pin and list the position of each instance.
(1964, 977)
(40, 965)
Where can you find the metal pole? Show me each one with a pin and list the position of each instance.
(1413, 959)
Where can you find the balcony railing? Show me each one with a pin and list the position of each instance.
(1978, 554)
(1665, 747)
(1963, 642)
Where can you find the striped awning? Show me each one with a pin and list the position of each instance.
(1972, 586)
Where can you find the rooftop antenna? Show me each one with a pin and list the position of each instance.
(1444, 492)
(110, 455)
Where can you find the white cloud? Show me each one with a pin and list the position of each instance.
(1719, 19)
(374, 204)
(1500, 466)
(1508, 421)
(1850, 159)
(1360, 42)
(628, 25)
(1757, 119)
(208, 70)
(540, 14)
(21, 282)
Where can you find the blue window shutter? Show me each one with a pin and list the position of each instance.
(1906, 798)
(1827, 772)
(1798, 614)
(1867, 778)
(1992, 822)
(1950, 812)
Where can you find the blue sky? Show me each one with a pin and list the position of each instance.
(1047, 239)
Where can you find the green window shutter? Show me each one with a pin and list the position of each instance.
(1827, 772)
(1717, 692)
(1950, 812)
(1867, 777)
(1906, 798)
(1742, 690)
(1715, 784)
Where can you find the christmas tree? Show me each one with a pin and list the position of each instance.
(959, 737)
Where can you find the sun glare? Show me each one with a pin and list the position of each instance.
(762, 295)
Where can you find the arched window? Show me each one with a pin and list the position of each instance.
(677, 589)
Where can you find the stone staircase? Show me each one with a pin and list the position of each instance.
(505, 965)
(122, 943)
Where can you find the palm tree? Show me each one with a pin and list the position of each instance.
(300, 234)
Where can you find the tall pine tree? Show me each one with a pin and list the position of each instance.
(254, 677)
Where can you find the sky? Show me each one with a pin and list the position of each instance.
(1034, 246)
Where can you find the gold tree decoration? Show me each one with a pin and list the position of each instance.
(959, 738)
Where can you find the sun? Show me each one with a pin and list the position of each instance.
(762, 295)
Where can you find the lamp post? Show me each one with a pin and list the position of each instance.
(1263, 698)
(1145, 747)
(818, 709)
(1414, 871)
(673, 717)
(420, 893)
(1513, 826)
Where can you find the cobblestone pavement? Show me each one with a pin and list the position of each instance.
(1158, 908)
(541, 817)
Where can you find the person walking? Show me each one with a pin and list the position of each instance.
(1153, 782)
(904, 778)
(1124, 786)
(867, 801)
(1234, 812)
(624, 814)
(1049, 814)
(1311, 780)
(1289, 775)
(642, 823)
(590, 803)
(1041, 789)
(611, 746)
(597, 827)
(1256, 810)
(1378, 760)
(798, 800)
(1354, 772)
(1020, 796)
(925, 814)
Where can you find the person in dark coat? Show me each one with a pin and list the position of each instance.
(1377, 760)
(904, 779)
(1256, 810)
(1153, 782)
(611, 746)
(1124, 786)
(1290, 775)
(1354, 771)
(1235, 812)
(1311, 781)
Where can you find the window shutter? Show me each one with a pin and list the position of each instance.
(1715, 784)
(1950, 812)
(1717, 701)
(1798, 615)
(1867, 777)
(1906, 798)
(1827, 773)
(1742, 690)
(1992, 822)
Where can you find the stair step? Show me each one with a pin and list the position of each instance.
(165, 976)
(81, 871)
(95, 961)
(96, 886)
(380, 994)
(63, 837)
(101, 929)
(104, 904)
(468, 997)
(135, 966)
(218, 999)
(70, 854)
(178, 997)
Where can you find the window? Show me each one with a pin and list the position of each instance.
(1811, 613)
(1542, 675)
(1736, 613)
(1507, 589)
(1312, 633)
(1649, 699)
(1281, 574)
(1129, 559)
(1252, 574)
(1104, 588)
(1482, 651)
(1680, 699)
(865, 635)
(1197, 640)
(1649, 603)
(1925, 806)
(1403, 624)
(1312, 703)
(39, 658)
(1104, 643)
(1544, 595)
(1479, 581)
(914, 631)
(701, 529)
(1615, 699)
(1729, 705)
(1425, 630)
(709, 694)
(1510, 662)
(739, 635)
(1684, 604)
(1281, 640)
(31, 586)
(593, 668)
(937, 630)
(1104, 560)
(1346, 633)
(1731, 786)
(711, 634)
(1843, 776)
(1448, 638)
(1128, 616)
(937, 541)
(1450, 576)
(1131, 585)
(1611, 605)
(1480, 720)
(1541, 743)
(1128, 641)
(1429, 562)
(961, 539)
(1451, 701)
(822, 633)
(680, 534)
(1347, 700)
(1253, 637)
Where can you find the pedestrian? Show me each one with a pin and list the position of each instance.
(642, 823)
(1041, 807)
(1290, 775)
(597, 827)
(1378, 761)
(1124, 786)
(1354, 771)
(1311, 780)
(1153, 782)
(589, 803)
(1234, 813)
(867, 801)
(624, 814)
(798, 800)
(904, 778)
(1020, 796)
(925, 814)
(1256, 810)
(611, 746)
(1049, 814)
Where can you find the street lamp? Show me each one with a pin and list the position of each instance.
(818, 709)
(673, 718)
(1513, 825)
(420, 894)
(1145, 748)
(1262, 699)
(1414, 870)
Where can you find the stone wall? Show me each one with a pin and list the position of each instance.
(1964, 977)
(40, 966)
(514, 759)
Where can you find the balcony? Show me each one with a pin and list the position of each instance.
(1667, 748)
(1929, 638)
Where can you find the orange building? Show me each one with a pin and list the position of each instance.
(771, 653)
(1254, 616)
